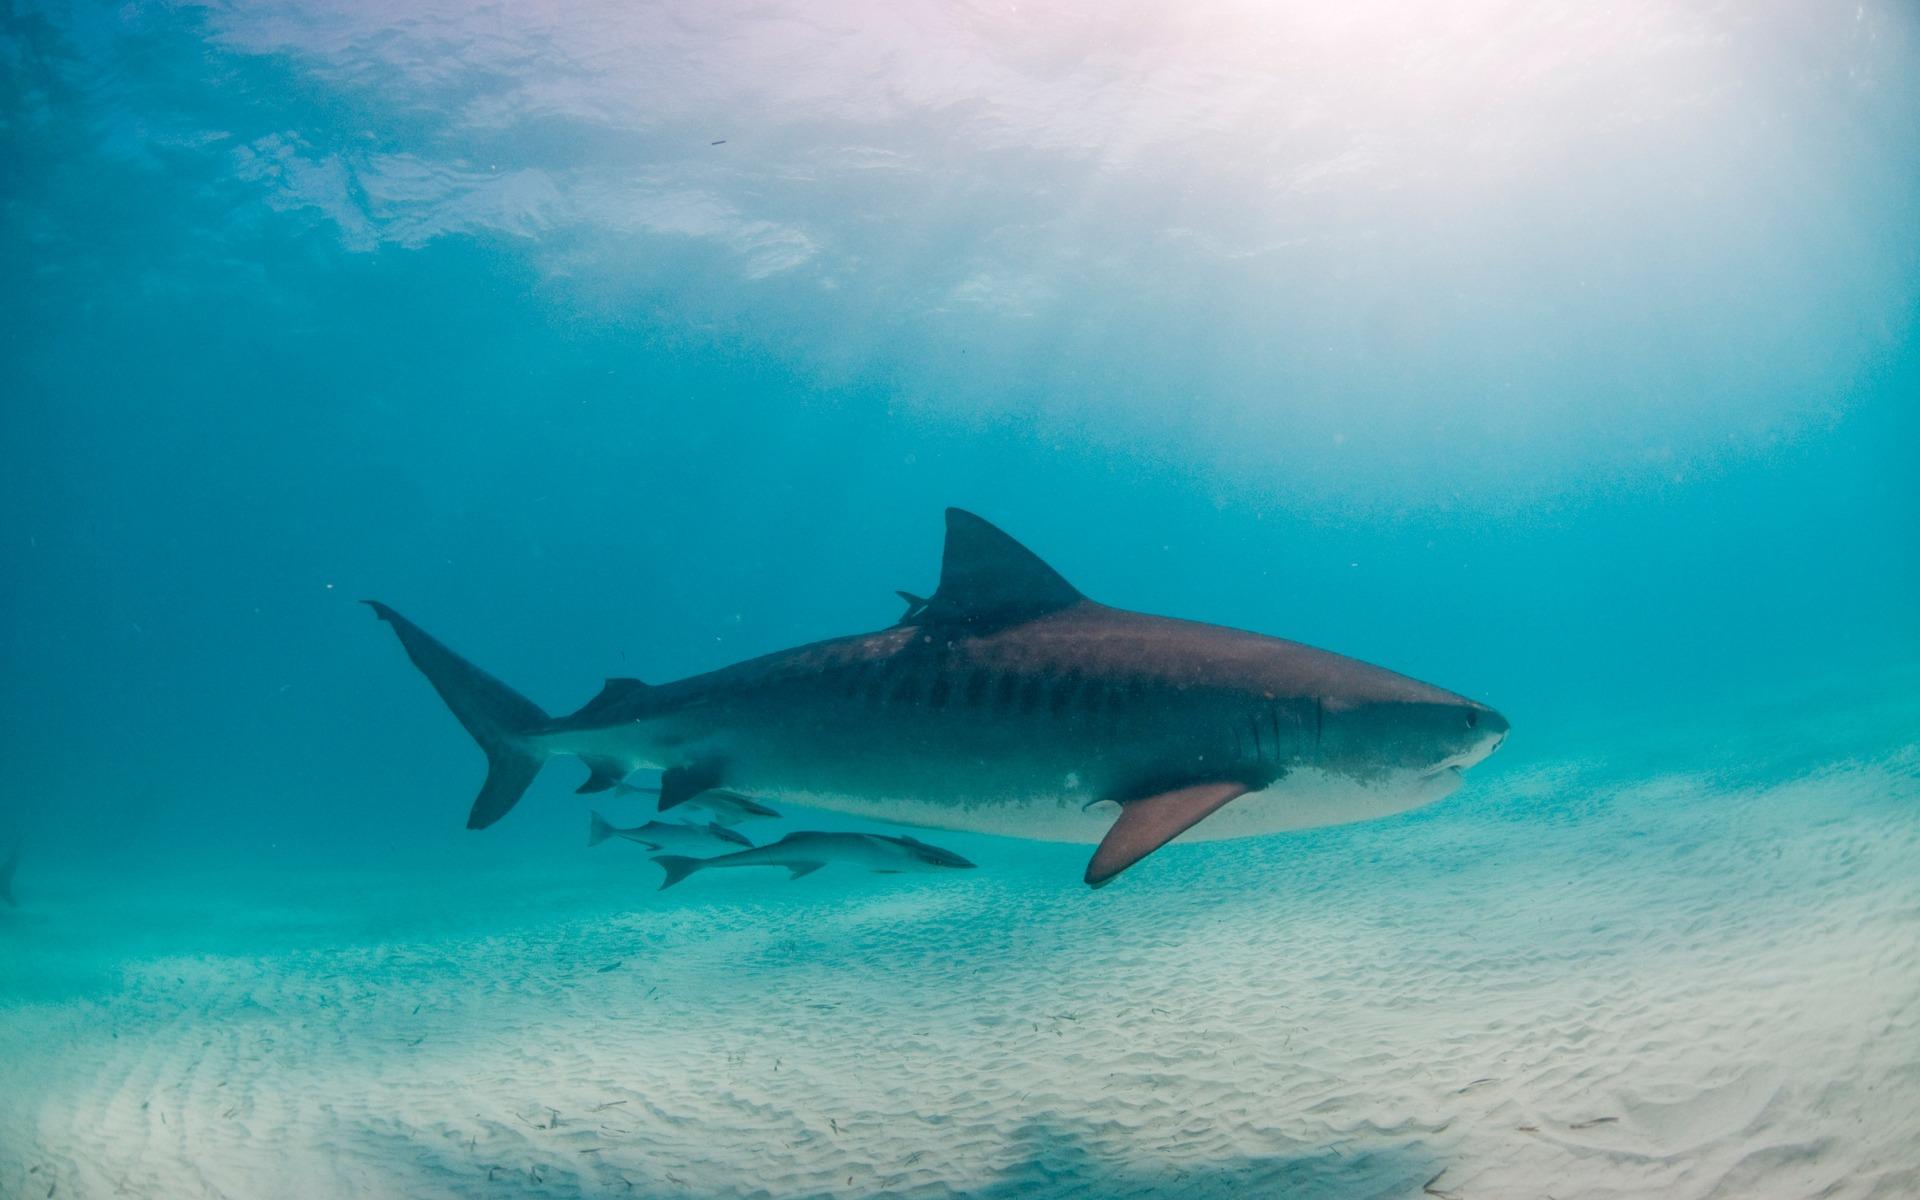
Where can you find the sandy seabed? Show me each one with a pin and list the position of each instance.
(1564, 982)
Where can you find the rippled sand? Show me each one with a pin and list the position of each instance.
(1560, 983)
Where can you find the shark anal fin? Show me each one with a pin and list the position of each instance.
(681, 784)
(604, 774)
(801, 869)
(1151, 822)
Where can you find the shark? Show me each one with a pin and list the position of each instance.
(726, 806)
(666, 835)
(1005, 702)
(805, 852)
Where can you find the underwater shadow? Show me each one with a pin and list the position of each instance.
(1063, 1162)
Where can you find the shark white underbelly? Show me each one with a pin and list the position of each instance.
(1306, 798)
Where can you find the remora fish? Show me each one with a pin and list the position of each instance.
(727, 806)
(804, 853)
(667, 835)
(1007, 703)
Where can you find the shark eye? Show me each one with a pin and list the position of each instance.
(1473, 719)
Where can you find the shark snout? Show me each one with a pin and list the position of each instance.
(1486, 729)
(1492, 728)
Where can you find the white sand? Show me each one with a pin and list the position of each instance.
(1552, 985)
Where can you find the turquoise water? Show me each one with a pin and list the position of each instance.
(1566, 360)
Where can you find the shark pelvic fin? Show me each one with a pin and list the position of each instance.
(987, 578)
(801, 870)
(604, 773)
(681, 784)
(1151, 822)
(497, 716)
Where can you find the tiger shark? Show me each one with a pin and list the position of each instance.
(1006, 702)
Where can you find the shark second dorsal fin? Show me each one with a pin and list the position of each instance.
(987, 578)
(610, 694)
(915, 606)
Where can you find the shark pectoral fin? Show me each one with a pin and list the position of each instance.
(1151, 822)
(604, 774)
(800, 869)
(681, 784)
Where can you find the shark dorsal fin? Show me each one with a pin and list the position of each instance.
(987, 578)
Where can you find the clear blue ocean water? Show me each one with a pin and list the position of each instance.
(1564, 357)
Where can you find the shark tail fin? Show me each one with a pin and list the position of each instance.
(598, 829)
(497, 716)
(677, 867)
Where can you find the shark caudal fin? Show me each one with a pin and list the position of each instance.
(598, 829)
(677, 867)
(495, 714)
